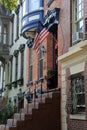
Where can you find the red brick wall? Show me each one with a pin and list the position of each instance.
(78, 125)
(48, 58)
(65, 29)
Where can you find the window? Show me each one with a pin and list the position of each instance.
(30, 64)
(78, 15)
(5, 34)
(16, 67)
(0, 33)
(11, 65)
(40, 68)
(0, 73)
(34, 5)
(12, 32)
(25, 10)
(22, 63)
(17, 26)
(77, 94)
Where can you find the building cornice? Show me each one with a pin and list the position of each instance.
(74, 51)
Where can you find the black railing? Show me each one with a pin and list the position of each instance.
(37, 91)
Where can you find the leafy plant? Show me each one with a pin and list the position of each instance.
(50, 72)
(6, 113)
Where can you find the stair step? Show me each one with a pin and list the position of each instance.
(7, 127)
(48, 100)
(26, 116)
(42, 106)
(17, 116)
(17, 122)
(10, 127)
(2, 127)
(26, 110)
(10, 122)
(14, 122)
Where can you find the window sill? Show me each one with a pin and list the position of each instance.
(78, 116)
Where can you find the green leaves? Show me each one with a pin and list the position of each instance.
(7, 113)
(9, 4)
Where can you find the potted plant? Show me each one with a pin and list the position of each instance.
(50, 73)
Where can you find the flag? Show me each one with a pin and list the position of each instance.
(41, 35)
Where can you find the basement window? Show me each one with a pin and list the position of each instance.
(77, 94)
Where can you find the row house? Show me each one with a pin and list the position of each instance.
(4, 45)
(74, 65)
(29, 74)
(38, 13)
(63, 54)
(12, 56)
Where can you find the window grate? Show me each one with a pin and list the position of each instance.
(77, 95)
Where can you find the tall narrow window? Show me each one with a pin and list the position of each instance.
(12, 31)
(22, 63)
(79, 15)
(0, 73)
(5, 34)
(16, 67)
(0, 34)
(17, 26)
(21, 49)
(77, 94)
(30, 64)
(40, 68)
(11, 65)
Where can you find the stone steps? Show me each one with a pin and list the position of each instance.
(34, 112)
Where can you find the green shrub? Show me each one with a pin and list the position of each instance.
(50, 72)
(6, 113)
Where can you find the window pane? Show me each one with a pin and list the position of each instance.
(24, 8)
(34, 5)
(40, 69)
(79, 15)
(16, 68)
(80, 26)
(5, 34)
(22, 64)
(79, 8)
(0, 33)
(30, 63)
(79, 1)
(30, 73)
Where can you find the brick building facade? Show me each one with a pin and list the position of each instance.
(49, 57)
(74, 60)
